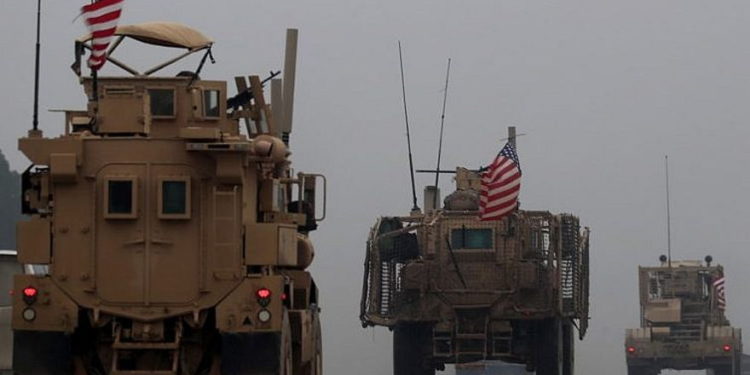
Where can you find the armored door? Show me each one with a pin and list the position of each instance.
(148, 234)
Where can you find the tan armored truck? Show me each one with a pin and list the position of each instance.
(177, 242)
(455, 289)
(9, 267)
(683, 325)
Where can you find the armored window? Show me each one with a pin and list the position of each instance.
(174, 198)
(162, 102)
(120, 196)
(471, 238)
(211, 104)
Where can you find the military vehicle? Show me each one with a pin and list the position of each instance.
(8, 268)
(683, 325)
(455, 289)
(176, 243)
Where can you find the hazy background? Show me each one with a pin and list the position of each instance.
(603, 88)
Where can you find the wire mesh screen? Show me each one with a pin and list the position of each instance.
(389, 246)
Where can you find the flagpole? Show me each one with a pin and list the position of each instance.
(35, 121)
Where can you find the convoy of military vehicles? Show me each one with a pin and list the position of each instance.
(167, 234)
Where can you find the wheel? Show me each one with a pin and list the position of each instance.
(315, 366)
(568, 349)
(548, 347)
(412, 350)
(258, 353)
(285, 352)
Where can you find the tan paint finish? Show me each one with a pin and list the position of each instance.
(152, 210)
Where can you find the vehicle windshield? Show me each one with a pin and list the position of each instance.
(8, 268)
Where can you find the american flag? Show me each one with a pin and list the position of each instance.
(501, 182)
(101, 17)
(721, 298)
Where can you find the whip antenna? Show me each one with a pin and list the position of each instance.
(669, 222)
(442, 123)
(35, 122)
(408, 137)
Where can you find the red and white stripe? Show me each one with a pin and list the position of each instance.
(719, 292)
(101, 17)
(501, 184)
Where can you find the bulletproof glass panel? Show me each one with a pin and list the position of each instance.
(471, 238)
(162, 102)
(211, 103)
(174, 197)
(120, 197)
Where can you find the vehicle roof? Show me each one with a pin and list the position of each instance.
(8, 252)
(167, 34)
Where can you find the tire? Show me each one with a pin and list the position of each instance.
(548, 347)
(568, 349)
(315, 365)
(258, 353)
(412, 350)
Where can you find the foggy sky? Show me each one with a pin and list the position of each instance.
(602, 88)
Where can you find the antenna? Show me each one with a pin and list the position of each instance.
(408, 136)
(669, 221)
(290, 74)
(35, 122)
(442, 123)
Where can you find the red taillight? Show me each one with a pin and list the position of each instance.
(284, 297)
(30, 292)
(263, 293)
(727, 348)
(631, 349)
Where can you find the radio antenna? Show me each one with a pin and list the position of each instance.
(408, 136)
(669, 221)
(35, 122)
(442, 123)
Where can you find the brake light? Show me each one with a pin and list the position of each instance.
(263, 293)
(30, 291)
(283, 297)
(727, 348)
(29, 294)
(631, 349)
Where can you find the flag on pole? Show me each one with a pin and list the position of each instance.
(501, 183)
(101, 17)
(719, 293)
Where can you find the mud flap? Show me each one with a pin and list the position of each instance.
(243, 353)
(42, 353)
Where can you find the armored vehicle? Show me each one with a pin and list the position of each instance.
(8, 268)
(176, 242)
(683, 325)
(455, 289)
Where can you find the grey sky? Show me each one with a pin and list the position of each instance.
(603, 88)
